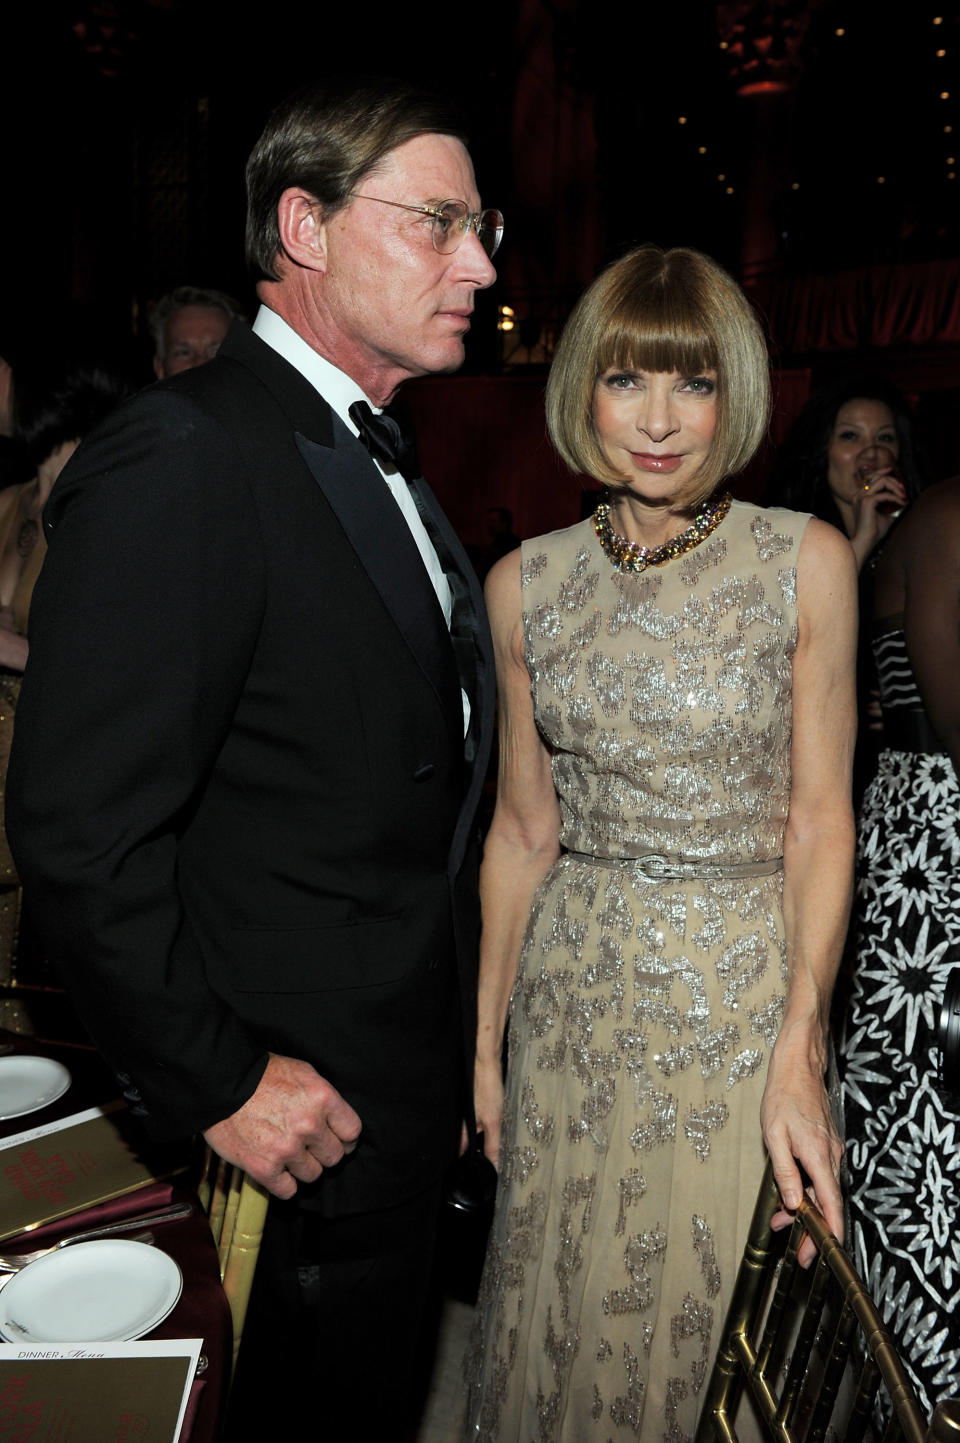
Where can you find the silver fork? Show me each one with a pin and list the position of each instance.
(13, 1262)
(16, 1262)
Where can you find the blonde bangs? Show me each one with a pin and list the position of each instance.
(656, 349)
(653, 326)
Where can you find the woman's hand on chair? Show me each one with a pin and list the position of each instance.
(799, 1132)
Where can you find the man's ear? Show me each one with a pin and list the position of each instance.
(303, 232)
(158, 368)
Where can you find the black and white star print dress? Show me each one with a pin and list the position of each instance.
(903, 1131)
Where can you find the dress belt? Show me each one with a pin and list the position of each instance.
(668, 869)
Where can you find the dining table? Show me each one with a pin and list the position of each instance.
(202, 1310)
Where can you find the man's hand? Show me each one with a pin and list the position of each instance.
(293, 1126)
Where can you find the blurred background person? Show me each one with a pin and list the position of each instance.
(667, 876)
(188, 324)
(902, 1127)
(852, 458)
(53, 413)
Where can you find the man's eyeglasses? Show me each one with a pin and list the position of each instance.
(452, 219)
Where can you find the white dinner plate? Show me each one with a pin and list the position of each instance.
(29, 1083)
(107, 1291)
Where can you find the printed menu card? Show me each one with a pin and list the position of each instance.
(97, 1393)
(49, 1172)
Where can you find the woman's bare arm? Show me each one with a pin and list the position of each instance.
(522, 844)
(818, 872)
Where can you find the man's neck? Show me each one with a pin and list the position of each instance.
(293, 305)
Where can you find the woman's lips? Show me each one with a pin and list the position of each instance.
(647, 461)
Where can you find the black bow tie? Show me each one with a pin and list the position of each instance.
(389, 436)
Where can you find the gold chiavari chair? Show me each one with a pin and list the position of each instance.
(237, 1209)
(809, 1348)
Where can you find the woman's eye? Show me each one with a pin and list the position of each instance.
(620, 381)
(847, 436)
(700, 385)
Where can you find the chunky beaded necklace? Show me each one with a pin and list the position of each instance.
(631, 556)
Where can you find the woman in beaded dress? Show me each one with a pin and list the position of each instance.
(666, 878)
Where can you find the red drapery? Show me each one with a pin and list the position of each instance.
(916, 304)
(483, 443)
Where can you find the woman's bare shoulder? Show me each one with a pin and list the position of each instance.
(824, 548)
(503, 579)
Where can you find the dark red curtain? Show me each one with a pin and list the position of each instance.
(483, 443)
(914, 304)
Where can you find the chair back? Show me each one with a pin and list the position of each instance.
(809, 1348)
(237, 1209)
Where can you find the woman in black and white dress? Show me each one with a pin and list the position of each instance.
(903, 1129)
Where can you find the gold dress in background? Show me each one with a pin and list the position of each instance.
(651, 984)
(26, 536)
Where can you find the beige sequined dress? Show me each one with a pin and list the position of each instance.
(650, 987)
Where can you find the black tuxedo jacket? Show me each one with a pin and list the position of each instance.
(239, 797)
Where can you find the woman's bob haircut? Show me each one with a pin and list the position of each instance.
(657, 310)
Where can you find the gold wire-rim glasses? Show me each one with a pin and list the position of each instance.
(452, 219)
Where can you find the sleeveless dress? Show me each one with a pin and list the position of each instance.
(651, 984)
(903, 1128)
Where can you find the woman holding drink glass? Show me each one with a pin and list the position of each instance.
(851, 458)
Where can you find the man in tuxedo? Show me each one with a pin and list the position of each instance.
(252, 738)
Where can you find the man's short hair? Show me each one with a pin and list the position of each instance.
(325, 139)
(656, 310)
(182, 296)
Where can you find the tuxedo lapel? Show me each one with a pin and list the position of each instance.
(465, 620)
(375, 528)
(470, 634)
